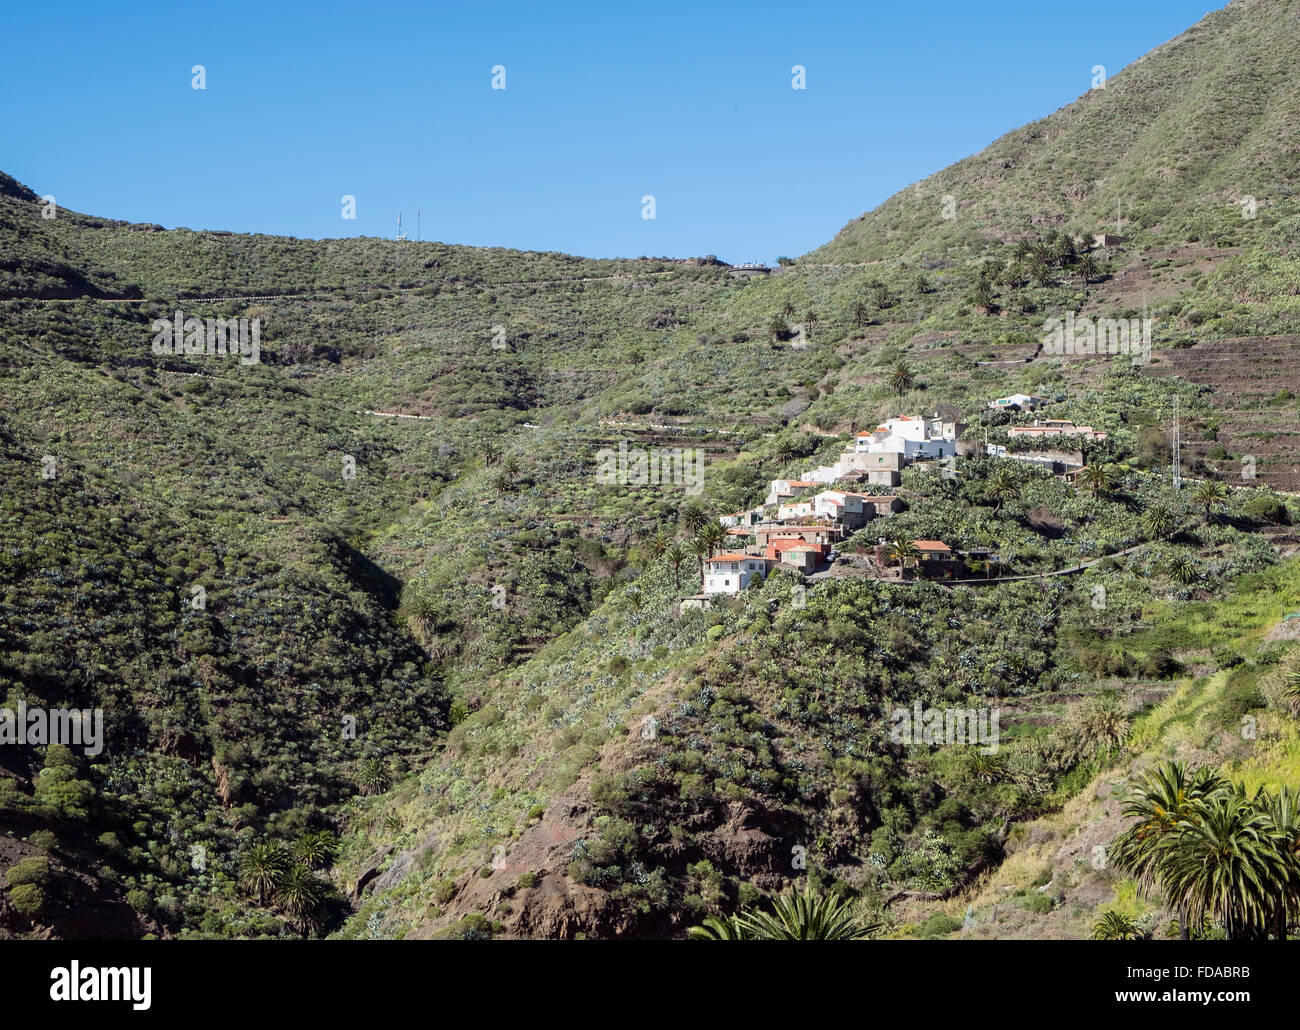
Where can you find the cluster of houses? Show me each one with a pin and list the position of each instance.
(798, 529)
(1057, 437)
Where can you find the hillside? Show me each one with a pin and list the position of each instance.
(370, 586)
(1171, 145)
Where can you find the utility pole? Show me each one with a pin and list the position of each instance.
(1178, 474)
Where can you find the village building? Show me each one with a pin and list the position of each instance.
(783, 489)
(853, 510)
(742, 518)
(732, 573)
(795, 510)
(803, 557)
(1059, 463)
(1017, 402)
(824, 533)
(914, 437)
(935, 560)
(1056, 427)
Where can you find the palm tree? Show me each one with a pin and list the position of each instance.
(1088, 268)
(1099, 478)
(301, 894)
(717, 928)
(262, 867)
(373, 777)
(1184, 569)
(787, 310)
(901, 378)
(1114, 927)
(1002, 487)
(1159, 520)
(860, 313)
(490, 451)
(315, 850)
(1162, 799)
(1291, 685)
(778, 328)
(1208, 493)
(714, 535)
(794, 917)
(1283, 810)
(656, 546)
(810, 320)
(1222, 863)
(902, 550)
(982, 297)
(693, 516)
(701, 551)
(510, 467)
(785, 450)
(675, 555)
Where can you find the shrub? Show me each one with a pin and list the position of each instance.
(43, 839)
(939, 925)
(527, 880)
(27, 899)
(29, 871)
(1039, 903)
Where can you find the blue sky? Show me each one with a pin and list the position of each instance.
(392, 103)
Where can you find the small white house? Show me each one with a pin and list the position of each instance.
(795, 510)
(1023, 401)
(731, 520)
(732, 573)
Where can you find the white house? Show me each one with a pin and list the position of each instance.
(786, 488)
(732, 573)
(911, 436)
(741, 518)
(1023, 401)
(795, 510)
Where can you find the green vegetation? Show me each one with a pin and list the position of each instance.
(342, 654)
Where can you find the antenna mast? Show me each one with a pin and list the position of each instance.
(400, 235)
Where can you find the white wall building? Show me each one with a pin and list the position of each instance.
(911, 436)
(732, 573)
